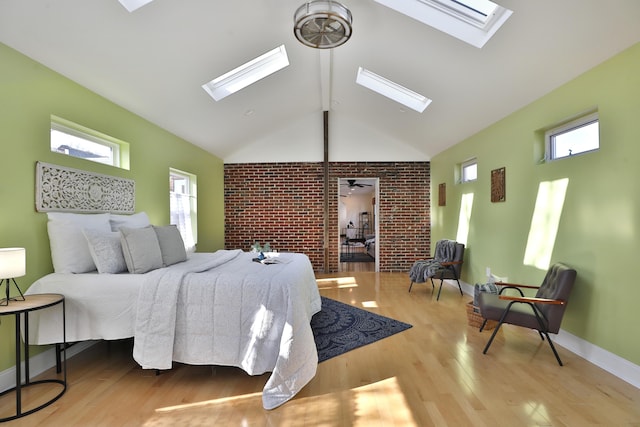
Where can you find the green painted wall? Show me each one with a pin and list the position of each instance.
(599, 228)
(29, 95)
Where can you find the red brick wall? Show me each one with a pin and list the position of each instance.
(283, 204)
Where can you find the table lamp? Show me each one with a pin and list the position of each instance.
(13, 263)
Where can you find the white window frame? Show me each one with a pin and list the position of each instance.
(550, 136)
(187, 219)
(464, 167)
(464, 19)
(90, 137)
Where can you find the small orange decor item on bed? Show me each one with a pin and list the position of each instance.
(475, 319)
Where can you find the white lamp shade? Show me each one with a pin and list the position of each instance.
(13, 262)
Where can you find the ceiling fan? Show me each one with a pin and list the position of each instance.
(322, 24)
(352, 183)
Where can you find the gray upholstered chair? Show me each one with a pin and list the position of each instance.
(445, 264)
(543, 312)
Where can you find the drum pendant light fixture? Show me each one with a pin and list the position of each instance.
(322, 24)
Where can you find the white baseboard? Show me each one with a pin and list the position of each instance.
(466, 288)
(600, 357)
(39, 363)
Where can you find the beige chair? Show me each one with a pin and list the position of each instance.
(543, 312)
(445, 264)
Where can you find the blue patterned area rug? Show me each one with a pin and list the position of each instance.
(339, 328)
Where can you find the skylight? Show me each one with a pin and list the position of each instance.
(247, 74)
(392, 90)
(479, 11)
(132, 5)
(472, 21)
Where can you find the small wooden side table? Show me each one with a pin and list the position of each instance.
(21, 309)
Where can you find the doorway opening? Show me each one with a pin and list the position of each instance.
(358, 224)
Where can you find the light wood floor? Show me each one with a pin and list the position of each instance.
(433, 374)
(357, 266)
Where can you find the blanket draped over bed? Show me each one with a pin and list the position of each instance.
(261, 325)
(224, 309)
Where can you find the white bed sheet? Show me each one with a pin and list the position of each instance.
(98, 306)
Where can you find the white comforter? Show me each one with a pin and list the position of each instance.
(227, 310)
(224, 309)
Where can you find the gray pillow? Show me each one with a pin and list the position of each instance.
(106, 250)
(171, 244)
(141, 249)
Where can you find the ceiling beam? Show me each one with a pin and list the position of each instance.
(326, 56)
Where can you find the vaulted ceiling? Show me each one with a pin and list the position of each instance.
(154, 61)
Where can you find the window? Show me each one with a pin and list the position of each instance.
(578, 136)
(77, 141)
(247, 74)
(472, 21)
(183, 206)
(392, 90)
(469, 170)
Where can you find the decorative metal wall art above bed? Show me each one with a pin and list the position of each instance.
(71, 190)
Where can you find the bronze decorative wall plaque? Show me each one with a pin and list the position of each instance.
(498, 192)
(442, 194)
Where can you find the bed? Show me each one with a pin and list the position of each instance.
(218, 308)
(370, 245)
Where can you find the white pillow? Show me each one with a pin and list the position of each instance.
(69, 248)
(171, 244)
(141, 249)
(106, 251)
(137, 220)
